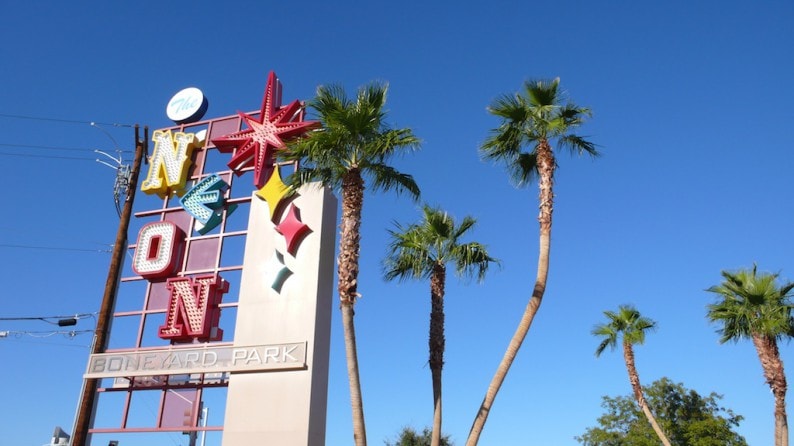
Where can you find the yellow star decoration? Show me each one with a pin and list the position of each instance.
(274, 191)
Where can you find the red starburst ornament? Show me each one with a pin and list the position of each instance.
(256, 145)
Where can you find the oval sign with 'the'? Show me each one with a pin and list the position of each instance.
(188, 105)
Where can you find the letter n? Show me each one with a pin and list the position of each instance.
(193, 311)
(168, 164)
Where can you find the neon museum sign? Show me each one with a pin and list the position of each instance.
(192, 311)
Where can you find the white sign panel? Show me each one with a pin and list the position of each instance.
(207, 359)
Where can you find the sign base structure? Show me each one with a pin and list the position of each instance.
(275, 370)
(221, 323)
(284, 407)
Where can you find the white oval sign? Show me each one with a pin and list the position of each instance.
(189, 105)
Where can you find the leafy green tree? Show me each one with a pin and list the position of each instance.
(629, 326)
(409, 437)
(422, 250)
(753, 306)
(688, 418)
(353, 145)
(532, 121)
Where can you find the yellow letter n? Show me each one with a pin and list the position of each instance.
(169, 163)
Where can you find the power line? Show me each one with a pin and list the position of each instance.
(75, 149)
(51, 248)
(68, 121)
(30, 155)
(38, 341)
(42, 334)
(47, 318)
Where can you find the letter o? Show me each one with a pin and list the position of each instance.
(158, 251)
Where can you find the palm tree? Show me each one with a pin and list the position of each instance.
(631, 326)
(422, 250)
(353, 145)
(532, 120)
(753, 306)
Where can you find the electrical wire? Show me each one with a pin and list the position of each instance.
(77, 316)
(51, 248)
(36, 341)
(54, 320)
(42, 334)
(68, 121)
(33, 146)
(30, 155)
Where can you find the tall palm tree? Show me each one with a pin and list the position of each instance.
(422, 250)
(753, 306)
(353, 145)
(531, 120)
(630, 326)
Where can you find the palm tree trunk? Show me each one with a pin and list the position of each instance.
(634, 379)
(349, 245)
(546, 165)
(775, 376)
(436, 343)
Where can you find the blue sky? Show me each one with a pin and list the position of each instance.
(692, 114)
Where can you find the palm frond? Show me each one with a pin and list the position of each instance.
(330, 103)
(472, 260)
(465, 225)
(543, 93)
(385, 177)
(372, 97)
(504, 144)
(306, 175)
(392, 142)
(509, 107)
(408, 256)
(524, 170)
(572, 115)
(609, 338)
(578, 145)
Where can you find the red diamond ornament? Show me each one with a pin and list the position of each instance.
(293, 229)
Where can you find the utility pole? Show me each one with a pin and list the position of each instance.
(86, 408)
